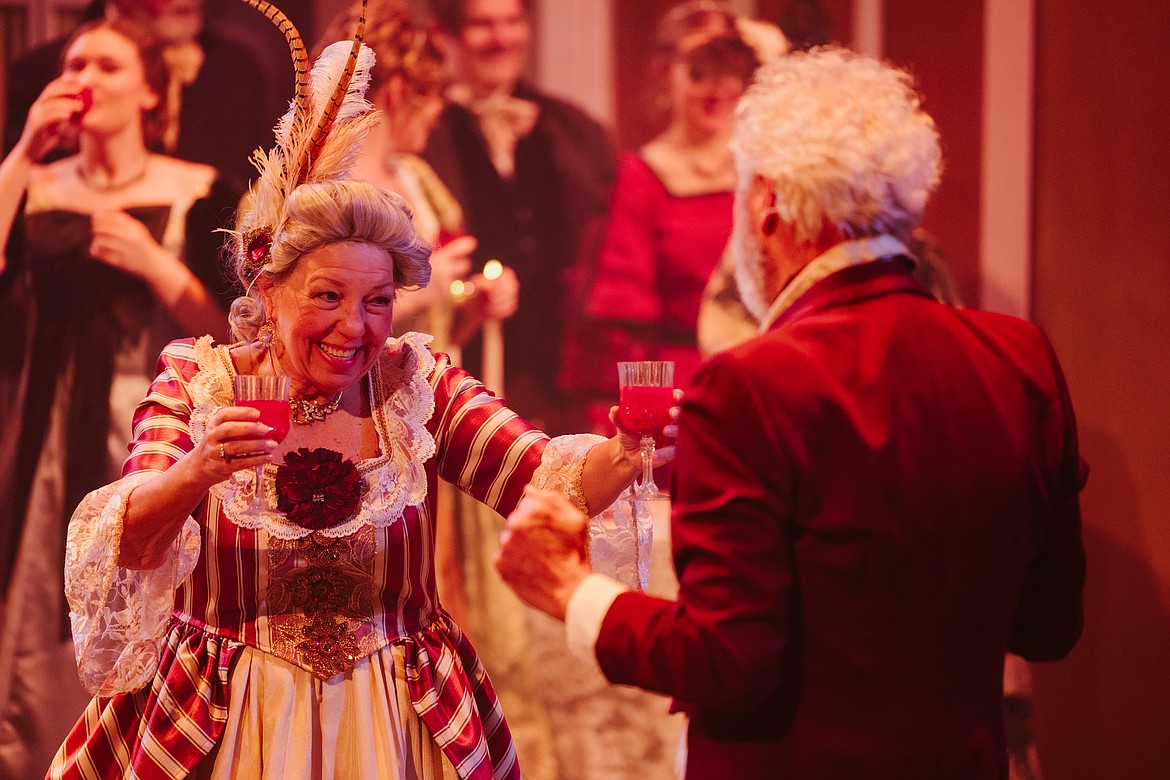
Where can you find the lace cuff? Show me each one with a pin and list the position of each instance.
(119, 616)
(562, 462)
(621, 534)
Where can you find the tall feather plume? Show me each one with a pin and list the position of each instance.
(340, 107)
(319, 136)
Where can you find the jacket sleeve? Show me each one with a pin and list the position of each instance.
(720, 644)
(1050, 615)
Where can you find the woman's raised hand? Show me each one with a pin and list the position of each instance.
(499, 293)
(53, 116)
(234, 439)
(495, 297)
(450, 261)
(664, 442)
(121, 241)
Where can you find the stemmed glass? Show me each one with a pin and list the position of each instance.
(647, 393)
(269, 395)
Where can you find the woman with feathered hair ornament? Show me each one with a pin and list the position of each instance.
(304, 639)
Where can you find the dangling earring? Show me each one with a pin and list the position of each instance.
(266, 334)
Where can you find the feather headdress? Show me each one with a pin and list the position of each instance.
(318, 139)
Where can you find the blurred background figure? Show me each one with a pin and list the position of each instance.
(407, 85)
(530, 171)
(670, 215)
(209, 77)
(114, 255)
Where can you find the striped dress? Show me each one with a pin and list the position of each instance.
(274, 652)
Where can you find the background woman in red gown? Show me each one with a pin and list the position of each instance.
(671, 210)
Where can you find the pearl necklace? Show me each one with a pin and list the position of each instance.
(309, 412)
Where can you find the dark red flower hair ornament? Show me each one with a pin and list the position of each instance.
(254, 246)
(317, 489)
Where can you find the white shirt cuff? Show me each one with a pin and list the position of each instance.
(585, 612)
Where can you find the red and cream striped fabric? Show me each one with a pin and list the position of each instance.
(244, 591)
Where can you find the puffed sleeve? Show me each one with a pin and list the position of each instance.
(490, 452)
(119, 615)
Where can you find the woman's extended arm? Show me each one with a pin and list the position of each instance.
(612, 465)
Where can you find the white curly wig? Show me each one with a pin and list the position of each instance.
(844, 141)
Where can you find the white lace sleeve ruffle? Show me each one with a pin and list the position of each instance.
(621, 534)
(119, 616)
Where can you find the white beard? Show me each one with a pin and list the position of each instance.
(748, 254)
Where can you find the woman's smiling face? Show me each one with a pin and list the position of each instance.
(332, 315)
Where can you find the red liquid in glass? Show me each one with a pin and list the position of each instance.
(645, 410)
(86, 98)
(274, 414)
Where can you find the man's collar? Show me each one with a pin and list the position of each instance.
(843, 255)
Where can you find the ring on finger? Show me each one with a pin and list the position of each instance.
(223, 454)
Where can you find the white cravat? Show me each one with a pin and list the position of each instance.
(503, 119)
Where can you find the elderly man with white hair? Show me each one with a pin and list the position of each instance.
(873, 500)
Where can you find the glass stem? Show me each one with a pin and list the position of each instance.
(647, 445)
(258, 492)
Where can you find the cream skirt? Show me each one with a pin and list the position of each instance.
(286, 724)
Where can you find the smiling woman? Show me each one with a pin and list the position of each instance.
(328, 290)
(311, 625)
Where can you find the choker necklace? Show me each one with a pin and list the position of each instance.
(112, 186)
(309, 412)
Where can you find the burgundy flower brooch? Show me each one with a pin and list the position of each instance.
(317, 489)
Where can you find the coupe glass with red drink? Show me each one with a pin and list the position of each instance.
(269, 395)
(647, 393)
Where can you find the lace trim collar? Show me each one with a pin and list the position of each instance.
(402, 401)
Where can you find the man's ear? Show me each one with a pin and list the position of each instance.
(761, 202)
(762, 189)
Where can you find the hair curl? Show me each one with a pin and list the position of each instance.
(843, 140)
(318, 214)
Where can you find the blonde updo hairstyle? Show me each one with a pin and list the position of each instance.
(842, 139)
(318, 214)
